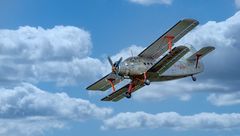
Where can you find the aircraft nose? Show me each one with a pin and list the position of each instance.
(122, 70)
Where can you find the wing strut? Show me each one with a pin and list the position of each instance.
(197, 59)
(111, 80)
(170, 42)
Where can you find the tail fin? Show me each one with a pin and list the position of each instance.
(200, 53)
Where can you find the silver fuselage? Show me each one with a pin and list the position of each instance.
(133, 66)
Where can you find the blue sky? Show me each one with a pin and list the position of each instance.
(50, 51)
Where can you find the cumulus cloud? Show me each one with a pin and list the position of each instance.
(173, 120)
(132, 50)
(151, 2)
(225, 98)
(39, 44)
(28, 126)
(31, 108)
(60, 54)
(178, 88)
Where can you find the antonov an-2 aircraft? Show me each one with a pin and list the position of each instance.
(158, 62)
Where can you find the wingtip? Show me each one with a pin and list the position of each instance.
(213, 48)
(105, 99)
(89, 88)
(191, 20)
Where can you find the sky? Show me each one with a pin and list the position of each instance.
(50, 51)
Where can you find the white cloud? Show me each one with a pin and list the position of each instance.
(150, 2)
(39, 44)
(225, 99)
(59, 54)
(178, 88)
(219, 34)
(237, 2)
(28, 126)
(35, 110)
(132, 50)
(173, 120)
(69, 73)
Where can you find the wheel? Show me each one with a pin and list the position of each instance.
(128, 95)
(194, 78)
(147, 82)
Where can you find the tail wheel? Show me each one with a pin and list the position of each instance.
(194, 78)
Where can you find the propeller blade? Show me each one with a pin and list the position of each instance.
(118, 62)
(110, 61)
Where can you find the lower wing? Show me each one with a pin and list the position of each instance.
(119, 94)
(105, 83)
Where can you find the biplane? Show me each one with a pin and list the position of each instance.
(158, 62)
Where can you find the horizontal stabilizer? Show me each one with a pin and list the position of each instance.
(201, 53)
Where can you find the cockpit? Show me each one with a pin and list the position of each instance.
(131, 61)
(134, 66)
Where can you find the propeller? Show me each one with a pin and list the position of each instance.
(115, 65)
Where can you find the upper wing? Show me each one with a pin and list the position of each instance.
(168, 60)
(103, 84)
(119, 94)
(160, 46)
(201, 53)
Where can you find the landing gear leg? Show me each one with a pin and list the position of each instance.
(112, 84)
(146, 81)
(194, 78)
(128, 94)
